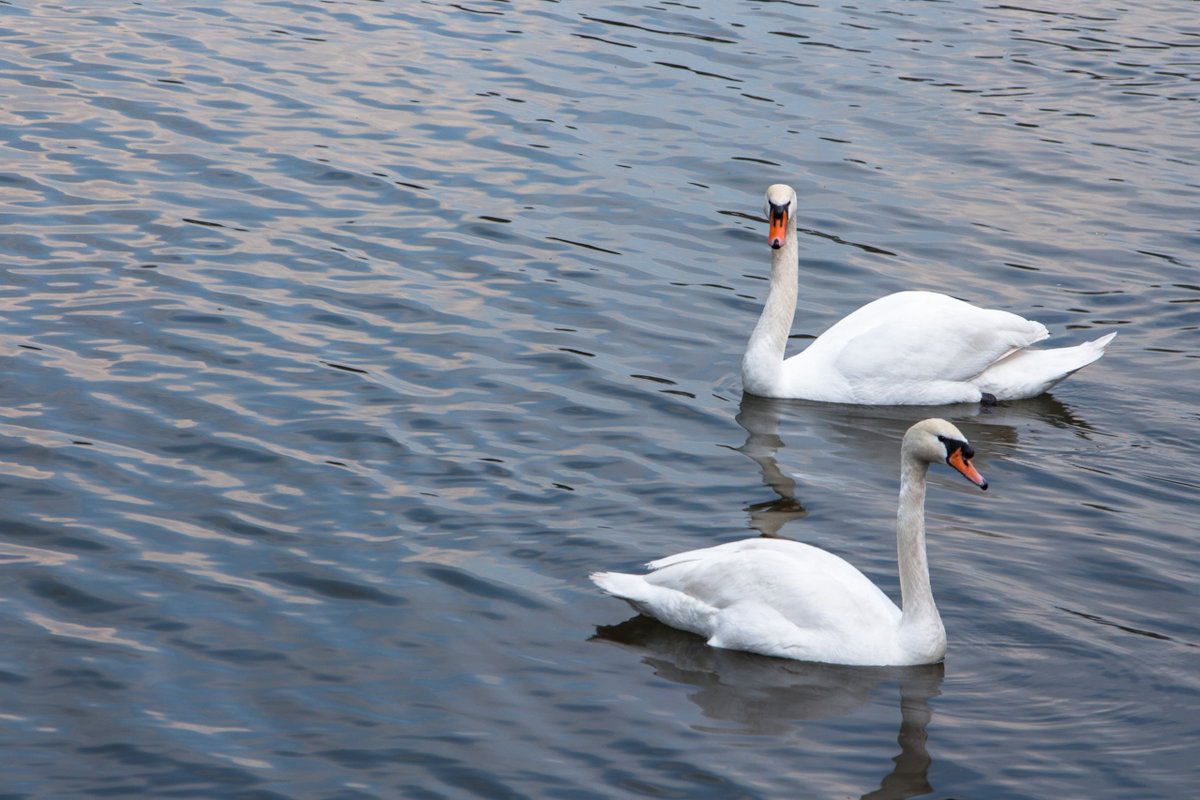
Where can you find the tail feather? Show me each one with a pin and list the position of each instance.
(633, 589)
(1028, 373)
(619, 584)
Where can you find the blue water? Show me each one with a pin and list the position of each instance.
(342, 340)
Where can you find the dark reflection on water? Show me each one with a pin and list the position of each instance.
(342, 340)
(769, 697)
(870, 435)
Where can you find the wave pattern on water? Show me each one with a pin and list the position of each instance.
(343, 340)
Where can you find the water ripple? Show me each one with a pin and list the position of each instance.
(345, 339)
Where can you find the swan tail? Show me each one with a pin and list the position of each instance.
(619, 584)
(1028, 373)
(633, 589)
(670, 606)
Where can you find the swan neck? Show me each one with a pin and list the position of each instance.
(916, 594)
(763, 363)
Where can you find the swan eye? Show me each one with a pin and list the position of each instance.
(955, 445)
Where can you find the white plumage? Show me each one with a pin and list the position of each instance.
(908, 348)
(784, 598)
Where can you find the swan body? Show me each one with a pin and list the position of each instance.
(908, 348)
(784, 598)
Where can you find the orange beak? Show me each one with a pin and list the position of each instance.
(963, 465)
(778, 232)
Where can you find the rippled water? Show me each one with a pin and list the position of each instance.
(342, 340)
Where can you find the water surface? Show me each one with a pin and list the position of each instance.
(342, 340)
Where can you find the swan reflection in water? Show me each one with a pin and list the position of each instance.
(866, 436)
(768, 696)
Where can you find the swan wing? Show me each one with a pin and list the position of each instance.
(771, 596)
(917, 347)
(930, 336)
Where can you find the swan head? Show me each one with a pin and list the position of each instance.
(779, 208)
(934, 440)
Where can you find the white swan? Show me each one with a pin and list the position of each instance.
(788, 599)
(908, 348)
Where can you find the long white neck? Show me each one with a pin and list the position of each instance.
(763, 363)
(920, 624)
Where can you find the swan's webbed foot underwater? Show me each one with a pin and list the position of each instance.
(987, 400)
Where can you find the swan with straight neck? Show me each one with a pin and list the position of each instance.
(784, 598)
(907, 348)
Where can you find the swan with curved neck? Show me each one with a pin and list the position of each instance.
(908, 348)
(784, 598)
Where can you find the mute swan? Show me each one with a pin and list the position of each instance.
(908, 348)
(784, 598)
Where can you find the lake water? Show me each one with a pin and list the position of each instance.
(342, 340)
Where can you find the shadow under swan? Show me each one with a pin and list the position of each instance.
(768, 696)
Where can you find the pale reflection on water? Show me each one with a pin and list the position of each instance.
(345, 339)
